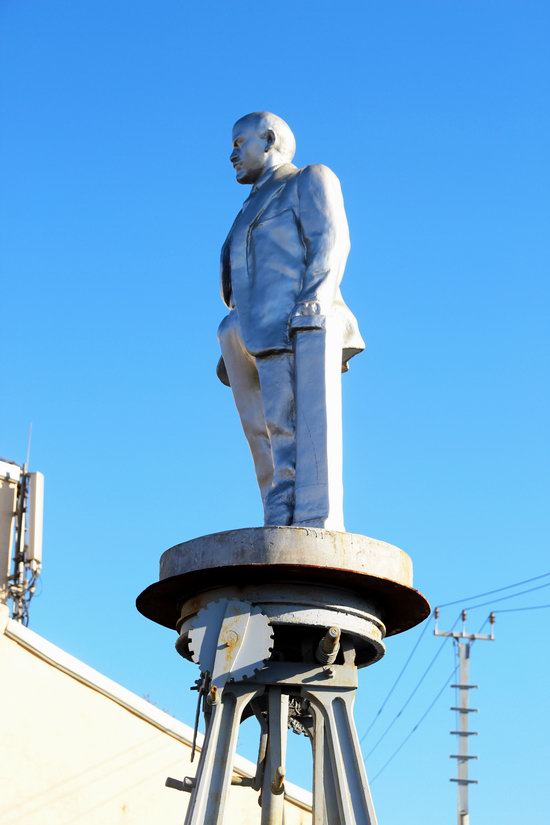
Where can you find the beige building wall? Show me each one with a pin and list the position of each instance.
(78, 749)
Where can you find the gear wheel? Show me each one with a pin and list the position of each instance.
(230, 640)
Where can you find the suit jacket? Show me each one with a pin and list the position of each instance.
(284, 258)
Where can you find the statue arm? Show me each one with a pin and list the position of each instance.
(226, 291)
(325, 234)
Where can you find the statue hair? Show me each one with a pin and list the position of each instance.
(285, 142)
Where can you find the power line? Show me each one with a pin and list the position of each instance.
(447, 604)
(430, 706)
(415, 728)
(519, 609)
(498, 590)
(408, 700)
(402, 671)
(511, 596)
(488, 619)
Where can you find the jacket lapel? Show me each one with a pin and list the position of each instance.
(250, 214)
(267, 193)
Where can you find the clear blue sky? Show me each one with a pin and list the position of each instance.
(116, 194)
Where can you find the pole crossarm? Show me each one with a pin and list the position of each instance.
(472, 637)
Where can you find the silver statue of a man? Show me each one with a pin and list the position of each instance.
(289, 334)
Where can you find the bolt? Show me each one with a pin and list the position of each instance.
(187, 784)
(331, 639)
(212, 695)
(278, 784)
(327, 649)
(231, 638)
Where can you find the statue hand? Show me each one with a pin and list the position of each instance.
(306, 315)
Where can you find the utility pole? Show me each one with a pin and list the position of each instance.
(463, 642)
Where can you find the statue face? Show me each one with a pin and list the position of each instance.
(250, 151)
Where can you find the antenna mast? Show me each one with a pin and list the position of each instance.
(21, 516)
(463, 642)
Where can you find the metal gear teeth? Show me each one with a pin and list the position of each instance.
(192, 626)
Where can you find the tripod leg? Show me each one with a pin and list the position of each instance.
(342, 757)
(262, 749)
(273, 796)
(325, 801)
(215, 769)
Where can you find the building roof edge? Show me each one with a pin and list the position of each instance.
(75, 668)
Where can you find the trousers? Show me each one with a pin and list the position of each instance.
(289, 404)
(263, 389)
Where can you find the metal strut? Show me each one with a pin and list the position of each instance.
(312, 697)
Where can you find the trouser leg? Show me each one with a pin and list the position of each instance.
(319, 490)
(276, 375)
(243, 377)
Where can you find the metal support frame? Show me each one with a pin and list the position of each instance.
(463, 642)
(211, 785)
(279, 619)
(341, 794)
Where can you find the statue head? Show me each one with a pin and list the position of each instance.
(261, 141)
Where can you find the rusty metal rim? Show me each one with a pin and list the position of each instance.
(401, 607)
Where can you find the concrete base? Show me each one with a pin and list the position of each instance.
(369, 570)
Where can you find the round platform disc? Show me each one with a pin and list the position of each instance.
(370, 568)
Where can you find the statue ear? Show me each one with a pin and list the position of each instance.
(269, 139)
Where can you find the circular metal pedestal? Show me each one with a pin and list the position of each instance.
(370, 569)
(279, 619)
